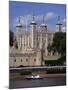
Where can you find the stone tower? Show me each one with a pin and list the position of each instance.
(58, 25)
(18, 33)
(44, 41)
(43, 26)
(33, 32)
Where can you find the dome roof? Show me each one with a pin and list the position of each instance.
(19, 25)
(43, 24)
(19, 22)
(33, 22)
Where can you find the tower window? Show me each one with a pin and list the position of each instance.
(26, 60)
(14, 60)
(34, 60)
(53, 53)
(21, 60)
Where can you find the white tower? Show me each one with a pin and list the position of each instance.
(58, 25)
(44, 36)
(33, 32)
(18, 33)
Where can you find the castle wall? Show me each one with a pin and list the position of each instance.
(35, 40)
(25, 59)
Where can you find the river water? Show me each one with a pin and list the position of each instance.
(49, 81)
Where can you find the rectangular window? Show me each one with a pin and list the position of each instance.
(34, 60)
(26, 60)
(14, 60)
(21, 60)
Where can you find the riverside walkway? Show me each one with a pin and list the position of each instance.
(38, 68)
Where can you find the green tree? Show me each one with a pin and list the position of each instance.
(49, 48)
(59, 43)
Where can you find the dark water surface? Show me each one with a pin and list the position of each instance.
(50, 81)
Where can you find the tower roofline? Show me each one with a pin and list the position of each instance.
(33, 20)
(43, 21)
(43, 25)
(58, 21)
(33, 23)
(19, 22)
(18, 25)
(58, 24)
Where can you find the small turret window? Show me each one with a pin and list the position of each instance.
(14, 60)
(26, 60)
(34, 60)
(21, 60)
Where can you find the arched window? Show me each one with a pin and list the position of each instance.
(21, 60)
(14, 60)
(26, 60)
(38, 44)
(34, 60)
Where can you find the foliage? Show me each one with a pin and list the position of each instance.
(59, 43)
(25, 73)
(53, 71)
(49, 48)
(60, 61)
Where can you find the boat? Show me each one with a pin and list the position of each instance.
(34, 77)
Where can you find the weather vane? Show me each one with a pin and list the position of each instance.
(19, 19)
(58, 19)
(33, 16)
(43, 17)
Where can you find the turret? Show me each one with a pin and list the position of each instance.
(18, 33)
(33, 32)
(19, 25)
(43, 26)
(58, 25)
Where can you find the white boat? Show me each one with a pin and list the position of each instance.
(34, 77)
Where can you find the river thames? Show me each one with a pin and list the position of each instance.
(45, 82)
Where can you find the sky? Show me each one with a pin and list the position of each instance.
(24, 10)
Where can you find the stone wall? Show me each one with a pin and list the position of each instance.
(26, 58)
